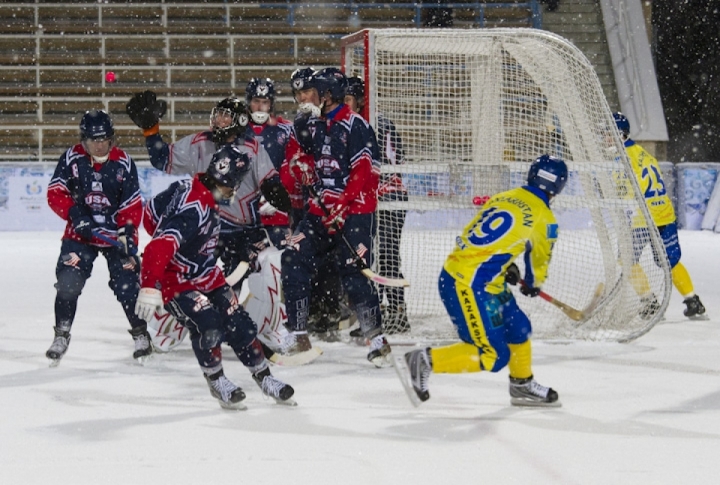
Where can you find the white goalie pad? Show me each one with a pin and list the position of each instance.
(165, 331)
(264, 301)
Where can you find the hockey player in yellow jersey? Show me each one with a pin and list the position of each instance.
(494, 331)
(647, 172)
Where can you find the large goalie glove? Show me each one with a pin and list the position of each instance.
(145, 110)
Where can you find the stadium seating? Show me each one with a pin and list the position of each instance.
(54, 57)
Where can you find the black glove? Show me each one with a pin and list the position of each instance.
(145, 109)
(82, 222)
(125, 236)
(512, 274)
(529, 291)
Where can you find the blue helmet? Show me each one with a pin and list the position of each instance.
(548, 174)
(96, 125)
(300, 79)
(260, 88)
(228, 166)
(622, 123)
(332, 80)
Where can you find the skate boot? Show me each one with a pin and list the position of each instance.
(274, 387)
(650, 306)
(143, 345)
(300, 343)
(527, 392)
(228, 394)
(327, 328)
(395, 320)
(357, 336)
(380, 351)
(59, 346)
(695, 308)
(414, 370)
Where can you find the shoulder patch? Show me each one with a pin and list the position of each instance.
(552, 231)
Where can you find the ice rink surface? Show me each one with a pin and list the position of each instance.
(637, 413)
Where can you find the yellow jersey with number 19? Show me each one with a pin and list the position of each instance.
(511, 223)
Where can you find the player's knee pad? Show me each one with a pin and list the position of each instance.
(125, 287)
(70, 283)
(211, 338)
(368, 315)
(240, 330)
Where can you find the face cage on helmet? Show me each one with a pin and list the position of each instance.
(221, 134)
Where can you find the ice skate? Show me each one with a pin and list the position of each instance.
(228, 394)
(527, 392)
(380, 351)
(274, 388)
(327, 327)
(695, 309)
(59, 346)
(650, 306)
(395, 320)
(356, 336)
(294, 353)
(143, 345)
(414, 370)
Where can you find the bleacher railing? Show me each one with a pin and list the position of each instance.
(27, 65)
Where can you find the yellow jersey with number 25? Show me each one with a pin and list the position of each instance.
(511, 223)
(649, 178)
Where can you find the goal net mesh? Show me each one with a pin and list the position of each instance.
(472, 109)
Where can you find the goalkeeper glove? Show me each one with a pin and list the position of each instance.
(145, 110)
(149, 300)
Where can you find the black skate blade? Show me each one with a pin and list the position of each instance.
(403, 373)
(529, 403)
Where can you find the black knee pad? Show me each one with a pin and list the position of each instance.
(70, 283)
(211, 338)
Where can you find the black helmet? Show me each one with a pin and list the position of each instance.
(228, 166)
(356, 88)
(332, 80)
(300, 79)
(236, 110)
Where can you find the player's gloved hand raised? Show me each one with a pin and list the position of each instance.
(512, 275)
(529, 291)
(148, 301)
(83, 224)
(145, 110)
(335, 220)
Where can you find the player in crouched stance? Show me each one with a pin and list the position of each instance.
(473, 287)
(179, 272)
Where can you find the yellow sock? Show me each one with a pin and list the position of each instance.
(639, 280)
(455, 358)
(681, 280)
(520, 364)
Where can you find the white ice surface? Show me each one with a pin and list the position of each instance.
(637, 413)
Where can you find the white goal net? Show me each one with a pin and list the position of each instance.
(473, 108)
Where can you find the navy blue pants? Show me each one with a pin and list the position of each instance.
(214, 318)
(310, 247)
(74, 268)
